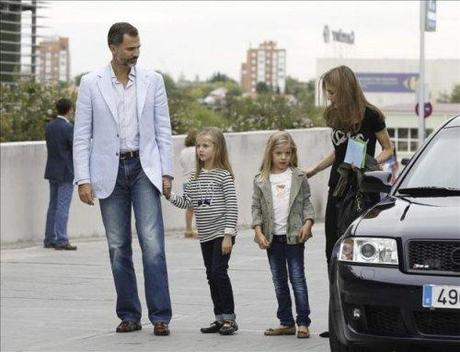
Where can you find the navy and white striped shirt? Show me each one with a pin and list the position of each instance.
(213, 197)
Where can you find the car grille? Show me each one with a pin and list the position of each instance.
(383, 320)
(438, 322)
(434, 256)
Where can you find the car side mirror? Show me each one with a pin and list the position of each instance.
(376, 182)
(405, 161)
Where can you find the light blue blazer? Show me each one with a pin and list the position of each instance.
(96, 145)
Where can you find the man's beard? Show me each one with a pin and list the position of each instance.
(131, 63)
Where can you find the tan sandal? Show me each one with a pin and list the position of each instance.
(288, 330)
(303, 334)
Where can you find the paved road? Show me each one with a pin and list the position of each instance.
(63, 301)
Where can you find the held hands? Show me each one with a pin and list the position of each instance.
(85, 192)
(167, 184)
(261, 240)
(305, 231)
(227, 245)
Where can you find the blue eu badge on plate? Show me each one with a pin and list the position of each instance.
(356, 152)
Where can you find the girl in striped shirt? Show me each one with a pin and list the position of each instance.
(211, 193)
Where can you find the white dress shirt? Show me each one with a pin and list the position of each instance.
(126, 105)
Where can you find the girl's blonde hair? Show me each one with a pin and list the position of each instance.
(346, 113)
(220, 159)
(276, 139)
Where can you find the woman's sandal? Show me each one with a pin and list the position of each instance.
(303, 334)
(288, 330)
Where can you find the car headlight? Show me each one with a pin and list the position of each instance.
(369, 250)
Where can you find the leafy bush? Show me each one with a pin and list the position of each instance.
(26, 107)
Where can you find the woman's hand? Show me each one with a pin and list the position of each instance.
(227, 245)
(261, 240)
(310, 172)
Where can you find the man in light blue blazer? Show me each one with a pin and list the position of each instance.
(122, 153)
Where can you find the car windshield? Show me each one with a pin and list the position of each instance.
(437, 168)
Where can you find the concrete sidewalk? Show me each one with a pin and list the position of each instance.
(65, 301)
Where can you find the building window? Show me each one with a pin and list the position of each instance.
(405, 139)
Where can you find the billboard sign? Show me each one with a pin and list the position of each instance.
(338, 36)
(388, 82)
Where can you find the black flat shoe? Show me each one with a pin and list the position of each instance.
(324, 334)
(213, 328)
(65, 247)
(229, 327)
(49, 245)
(129, 326)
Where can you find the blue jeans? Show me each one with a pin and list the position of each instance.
(287, 260)
(58, 213)
(134, 189)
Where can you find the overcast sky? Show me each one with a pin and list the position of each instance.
(200, 38)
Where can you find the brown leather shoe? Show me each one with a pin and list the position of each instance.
(65, 247)
(129, 326)
(160, 329)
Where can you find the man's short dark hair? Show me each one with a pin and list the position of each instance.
(118, 30)
(63, 106)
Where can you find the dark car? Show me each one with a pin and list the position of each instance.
(395, 273)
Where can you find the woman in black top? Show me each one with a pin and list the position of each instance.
(349, 114)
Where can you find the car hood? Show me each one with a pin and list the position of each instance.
(412, 217)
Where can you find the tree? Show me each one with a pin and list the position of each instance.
(262, 88)
(219, 77)
(455, 95)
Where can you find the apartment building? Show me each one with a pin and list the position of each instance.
(53, 60)
(18, 34)
(266, 64)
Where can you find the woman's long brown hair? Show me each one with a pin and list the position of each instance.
(347, 111)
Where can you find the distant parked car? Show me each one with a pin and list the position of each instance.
(395, 273)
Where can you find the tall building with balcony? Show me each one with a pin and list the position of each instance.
(53, 60)
(266, 64)
(18, 35)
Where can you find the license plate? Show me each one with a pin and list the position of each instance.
(435, 296)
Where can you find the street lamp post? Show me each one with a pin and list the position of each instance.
(421, 83)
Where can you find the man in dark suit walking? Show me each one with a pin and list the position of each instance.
(59, 172)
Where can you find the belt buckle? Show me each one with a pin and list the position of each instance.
(127, 155)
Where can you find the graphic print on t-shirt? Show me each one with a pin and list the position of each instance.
(280, 190)
(339, 137)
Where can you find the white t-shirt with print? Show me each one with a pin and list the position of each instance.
(281, 189)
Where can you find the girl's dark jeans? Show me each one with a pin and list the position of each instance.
(219, 283)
